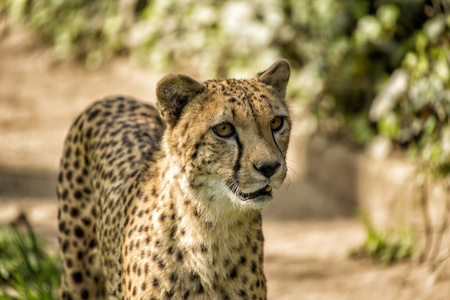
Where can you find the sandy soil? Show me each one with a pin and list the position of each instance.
(306, 255)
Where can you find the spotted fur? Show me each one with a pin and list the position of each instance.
(154, 204)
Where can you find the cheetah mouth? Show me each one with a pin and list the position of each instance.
(265, 191)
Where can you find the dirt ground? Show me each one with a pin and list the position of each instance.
(306, 255)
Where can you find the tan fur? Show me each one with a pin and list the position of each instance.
(154, 208)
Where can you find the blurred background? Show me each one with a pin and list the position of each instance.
(365, 211)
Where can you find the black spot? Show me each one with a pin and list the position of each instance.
(68, 151)
(260, 236)
(84, 294)
(170, 294)
(77, 277)
(155, 282)
(253, 267)
(194, 277)
(69, 263)
(161, 265)
(65, 246)
(172, 233)
(93, 114)
(80, 180)
(133, 211)
(226, 262)
(74, 212)
(79, 232)
(89, 133)
(233, 273)
(92, 244)
(173, 277)
(86, 221)
(242, 293)
(77, 194)
(62, 226)
(201, 289)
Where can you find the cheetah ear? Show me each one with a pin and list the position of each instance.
(277, 77)
(174, 91)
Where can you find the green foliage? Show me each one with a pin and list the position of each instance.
(26, 270)
(392, 36)
(388, 247)
(77, 29)
(361, 131)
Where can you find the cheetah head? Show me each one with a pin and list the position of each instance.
(228, 138)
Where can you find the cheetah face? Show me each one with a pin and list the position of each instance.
(250, 132)
(232, 136)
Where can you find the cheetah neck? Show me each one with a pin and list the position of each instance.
(209, 244)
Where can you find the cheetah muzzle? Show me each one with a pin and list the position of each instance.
(165, 203)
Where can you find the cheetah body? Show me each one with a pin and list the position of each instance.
(162, 204)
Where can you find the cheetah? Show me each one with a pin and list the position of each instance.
(165, 203)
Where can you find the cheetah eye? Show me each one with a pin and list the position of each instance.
(277, 123)
(224, 130)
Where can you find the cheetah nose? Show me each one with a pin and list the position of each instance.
(267, 169)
